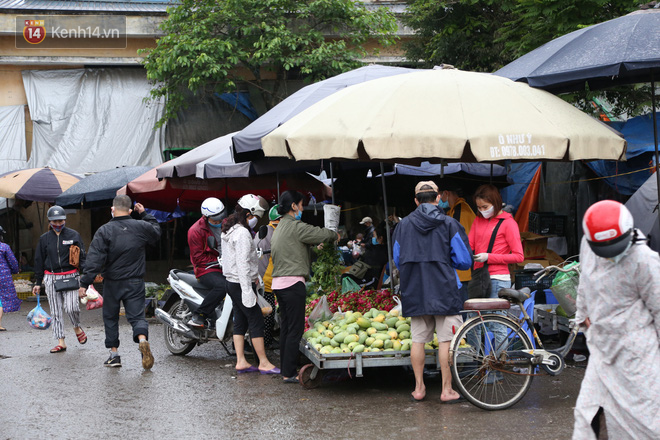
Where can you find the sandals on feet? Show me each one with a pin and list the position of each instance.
(82, 337)
(2, 329)
(58, 349)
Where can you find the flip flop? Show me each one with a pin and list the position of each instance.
(58, 349)
(451, 402)
(271, 371)
(412, 399)
(250, 369)
(2, 329)
(82, 337)
(291, 380)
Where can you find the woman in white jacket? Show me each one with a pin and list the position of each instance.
(240, 267)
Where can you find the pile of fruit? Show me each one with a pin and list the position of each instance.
(354, 332)
(361, 301)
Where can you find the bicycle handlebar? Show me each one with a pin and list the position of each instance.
(546, 270)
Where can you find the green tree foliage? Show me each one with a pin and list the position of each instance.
(219, 45)
(326, 269)
(484, 35)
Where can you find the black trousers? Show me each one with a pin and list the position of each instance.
(218, 284)
(292, 317)
(245, 317)
(131, 293)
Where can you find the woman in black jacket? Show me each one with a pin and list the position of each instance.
(52, 263)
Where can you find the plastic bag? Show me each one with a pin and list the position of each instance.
(93, 299)
(266, 308)
(321, 311)
(397, 307)
(331, 215)
(348, 285)
(38, 318)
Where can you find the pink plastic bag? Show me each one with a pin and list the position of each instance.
(94, 299)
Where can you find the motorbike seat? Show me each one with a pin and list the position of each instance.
(191, 280)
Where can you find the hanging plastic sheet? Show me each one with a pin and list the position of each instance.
(12, 140)
(92, 119)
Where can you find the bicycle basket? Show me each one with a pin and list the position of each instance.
(565, 289)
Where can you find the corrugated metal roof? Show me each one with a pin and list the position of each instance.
(139, 6)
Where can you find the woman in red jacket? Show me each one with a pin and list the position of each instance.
(507, 247)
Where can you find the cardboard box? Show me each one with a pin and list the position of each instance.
(534, 246)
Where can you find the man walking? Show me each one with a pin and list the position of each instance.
(428, 247)
(117, 250)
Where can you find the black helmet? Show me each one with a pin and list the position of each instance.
(56, 213)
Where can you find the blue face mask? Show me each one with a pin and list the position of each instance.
(219, 225)
(443, 204)
(374, 241)
(298, 215)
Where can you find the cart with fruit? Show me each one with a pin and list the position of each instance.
(352, 340)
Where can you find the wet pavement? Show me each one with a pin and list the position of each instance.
(71, 395)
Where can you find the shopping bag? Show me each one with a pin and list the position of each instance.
(397, 309)
(331, 215)
(38, 318)
(266, 308)
(321, 311)
(93, 299)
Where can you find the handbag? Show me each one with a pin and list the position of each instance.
(479, 286)
(74, 256)
(359, 269)
(69, 282)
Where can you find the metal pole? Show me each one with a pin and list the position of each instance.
(277, 176)
(332, 184)
(655, 138)
(387, 228)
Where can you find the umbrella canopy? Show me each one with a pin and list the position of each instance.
(435, 169)
(36, 184)
(623, 50)
(186, 164)
(449, 114)
(247, 143)
(642, 206)
(188, 193)
(98, 189)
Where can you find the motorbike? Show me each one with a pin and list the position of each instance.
(181, 337)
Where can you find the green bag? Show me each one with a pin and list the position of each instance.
(348, 285)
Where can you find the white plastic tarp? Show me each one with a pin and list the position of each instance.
(13, 155)
(90, 120)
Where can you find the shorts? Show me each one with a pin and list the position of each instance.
(422, 327)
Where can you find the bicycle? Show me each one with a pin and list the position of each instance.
(492, 357)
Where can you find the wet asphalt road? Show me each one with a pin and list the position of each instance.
(71, 395)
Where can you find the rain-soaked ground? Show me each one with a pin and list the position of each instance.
(71, 395)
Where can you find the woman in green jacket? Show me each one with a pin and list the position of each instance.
(290, 251)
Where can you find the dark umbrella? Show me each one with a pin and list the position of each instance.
(98, 189)
(624, 50)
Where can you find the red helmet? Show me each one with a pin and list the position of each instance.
(608, 226)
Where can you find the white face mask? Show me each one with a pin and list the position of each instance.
(253, 222)
(488, 213)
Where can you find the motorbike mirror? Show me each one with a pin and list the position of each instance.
(263, 232)
(211, 242)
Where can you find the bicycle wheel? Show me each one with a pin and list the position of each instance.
(491, 374)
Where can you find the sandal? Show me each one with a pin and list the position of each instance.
(82, 337)
(58, 349)
(2, 329)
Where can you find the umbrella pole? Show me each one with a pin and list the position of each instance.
(277, 177)
(332, 184)
(387, 227)
(655, 139)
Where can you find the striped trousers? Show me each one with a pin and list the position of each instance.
(61, 302)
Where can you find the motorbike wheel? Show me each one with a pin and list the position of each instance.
(175, 342)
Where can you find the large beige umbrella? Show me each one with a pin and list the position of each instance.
(446, 114)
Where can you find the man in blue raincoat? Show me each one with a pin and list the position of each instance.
(428, 248)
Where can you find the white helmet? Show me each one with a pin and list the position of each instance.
(251, 203)
(213, 208)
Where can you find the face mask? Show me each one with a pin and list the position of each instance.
(298, 215)
(219, 225)
(253, 222)
(488, 213)
(443, 204)
(57, 228)
(374, 241)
